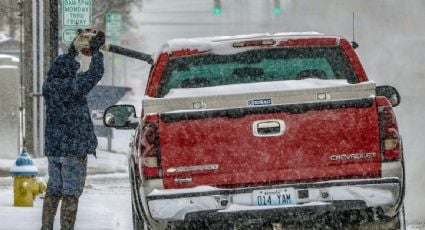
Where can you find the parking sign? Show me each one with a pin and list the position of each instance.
(113, 28)
(68, 35)
(77, 13)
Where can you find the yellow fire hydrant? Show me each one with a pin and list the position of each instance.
(25, 185)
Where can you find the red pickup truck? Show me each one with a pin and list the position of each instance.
(264, 132)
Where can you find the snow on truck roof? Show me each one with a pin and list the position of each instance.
(220, 44)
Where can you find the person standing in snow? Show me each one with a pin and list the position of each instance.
(69, 133)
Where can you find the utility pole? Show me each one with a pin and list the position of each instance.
(40, 48)
(53, 18)
(27, 72)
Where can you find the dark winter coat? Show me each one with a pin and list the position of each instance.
(69, 129)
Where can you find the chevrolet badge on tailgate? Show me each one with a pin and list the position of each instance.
(354, 156)
(192, 168)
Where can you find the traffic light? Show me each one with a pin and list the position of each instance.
(217, 6)
(277, 9)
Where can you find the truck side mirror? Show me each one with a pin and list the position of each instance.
(120, 117)
(389, 92)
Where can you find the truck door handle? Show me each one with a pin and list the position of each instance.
(268, 128)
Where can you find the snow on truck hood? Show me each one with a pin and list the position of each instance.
(309, 83)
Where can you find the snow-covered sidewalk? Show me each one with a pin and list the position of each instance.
(105, 203)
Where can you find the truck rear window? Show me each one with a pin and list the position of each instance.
(260, 65)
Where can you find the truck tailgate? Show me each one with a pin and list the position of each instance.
(299, 135)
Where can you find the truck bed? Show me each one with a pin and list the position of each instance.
(269, 136)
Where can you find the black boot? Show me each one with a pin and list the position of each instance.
(50, 205)
(69, 212)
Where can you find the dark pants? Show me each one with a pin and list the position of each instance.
(67, 176)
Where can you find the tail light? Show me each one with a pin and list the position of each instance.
(388, 131)
(150, 157)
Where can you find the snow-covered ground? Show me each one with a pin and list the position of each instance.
(105, 203)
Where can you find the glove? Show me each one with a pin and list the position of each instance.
(72, 49)
(97, 41)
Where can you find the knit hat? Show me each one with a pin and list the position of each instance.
(23, 165)
(64, 66)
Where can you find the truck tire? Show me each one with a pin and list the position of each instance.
(397, 222)
(138, 221)
(391, 223)
(402, 218)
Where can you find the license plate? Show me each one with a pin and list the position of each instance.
(268, 197)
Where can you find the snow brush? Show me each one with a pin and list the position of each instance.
(128, 52)
(82, 41)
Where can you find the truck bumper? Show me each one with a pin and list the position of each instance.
(310, 198)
